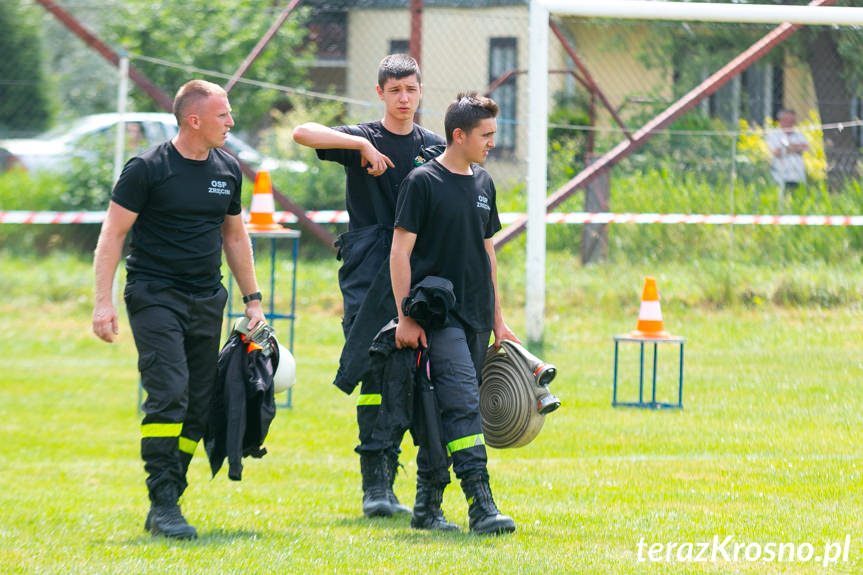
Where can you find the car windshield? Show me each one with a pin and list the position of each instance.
(143, 130)
(59, 130)
(70, 130)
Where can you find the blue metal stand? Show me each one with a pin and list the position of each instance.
(652, 404)
(271, 314)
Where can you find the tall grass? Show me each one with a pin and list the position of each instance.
(640, 189)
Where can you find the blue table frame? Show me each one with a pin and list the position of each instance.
(652, 404)
(271, 314)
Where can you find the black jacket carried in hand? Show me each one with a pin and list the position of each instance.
(407, 392)
(243, 405)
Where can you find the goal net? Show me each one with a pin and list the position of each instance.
(670, 108)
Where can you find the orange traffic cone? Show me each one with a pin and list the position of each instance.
(262, 208)
(649, 314)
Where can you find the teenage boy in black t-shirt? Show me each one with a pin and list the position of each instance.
(445, 218)
(376, 156)
(181, 201)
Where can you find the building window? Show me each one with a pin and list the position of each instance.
(328, 31)
(758, 100)
(328, 38)
(399, 46)
(755, 95)
(503, 58)
(778, 90)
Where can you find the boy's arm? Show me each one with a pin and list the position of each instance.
(408, 333)
(501, 330)
(321, 137)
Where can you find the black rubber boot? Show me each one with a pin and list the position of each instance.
(427, 512)
(165, 517)
(484, 515)
(392, 471)
(376, 502)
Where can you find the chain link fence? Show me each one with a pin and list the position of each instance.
(608, 79)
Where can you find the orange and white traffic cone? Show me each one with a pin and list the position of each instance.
(649, 314)
(263, 207)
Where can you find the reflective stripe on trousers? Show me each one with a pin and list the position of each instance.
(454, 358)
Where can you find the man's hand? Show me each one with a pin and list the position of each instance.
(105, 322)
(410, 334)
(255, 314)
(375, 162)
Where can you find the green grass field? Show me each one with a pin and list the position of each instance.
(766, 450)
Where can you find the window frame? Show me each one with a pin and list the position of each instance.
(505, 95)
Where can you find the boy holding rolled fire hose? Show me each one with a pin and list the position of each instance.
(446, 216)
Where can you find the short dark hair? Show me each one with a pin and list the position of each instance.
(193, 93)
(466, 112)
(397, 66)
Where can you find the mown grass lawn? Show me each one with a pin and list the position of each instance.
(766, 450)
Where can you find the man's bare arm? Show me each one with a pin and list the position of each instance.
(109, 248)
(238, 253)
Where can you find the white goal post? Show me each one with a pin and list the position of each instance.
(537, 151)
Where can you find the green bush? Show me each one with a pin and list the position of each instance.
(21, 191)
(86, 187)
(322, 187)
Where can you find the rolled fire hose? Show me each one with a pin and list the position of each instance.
(514, 397)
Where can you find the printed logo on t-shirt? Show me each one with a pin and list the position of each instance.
(219, 187)
(482, 202)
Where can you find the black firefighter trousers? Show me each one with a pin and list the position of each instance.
(456, 357)
(177, 335)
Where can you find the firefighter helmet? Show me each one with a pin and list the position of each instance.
(286, 371)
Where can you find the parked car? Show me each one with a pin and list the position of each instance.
(90, 136)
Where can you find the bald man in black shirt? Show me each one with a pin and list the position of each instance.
(181, 201)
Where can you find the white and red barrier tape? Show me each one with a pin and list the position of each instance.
(341, 217)
(22, 217)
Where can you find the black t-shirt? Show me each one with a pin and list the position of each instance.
(363, 193)
(181, 206)
(452, 215)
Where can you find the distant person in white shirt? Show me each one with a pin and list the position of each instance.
(786, 146)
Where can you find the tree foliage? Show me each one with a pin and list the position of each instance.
(25, 102)
(213, 35)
